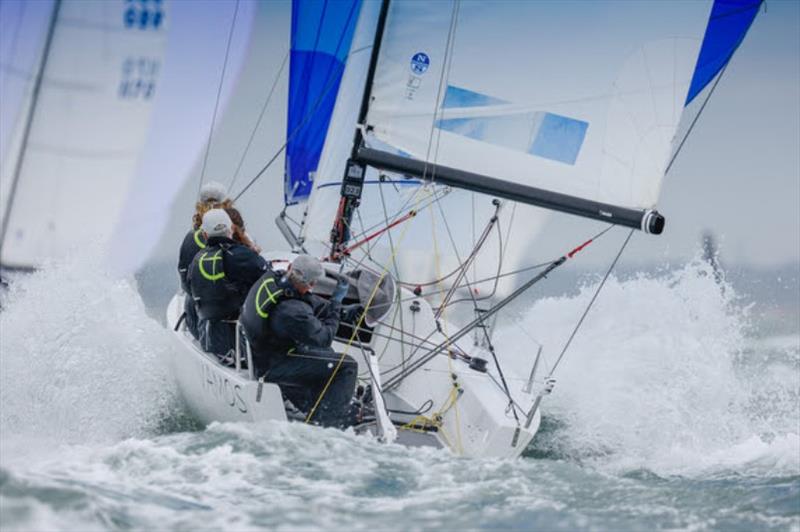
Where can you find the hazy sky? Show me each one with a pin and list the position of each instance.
(739, 172)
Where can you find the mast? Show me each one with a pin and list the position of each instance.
(37, 85)
(353, 181)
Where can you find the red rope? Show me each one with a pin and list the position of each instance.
(360, 243)
(579, 248)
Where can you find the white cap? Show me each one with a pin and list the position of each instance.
(212, 191)
(216, 222)
(306, 269)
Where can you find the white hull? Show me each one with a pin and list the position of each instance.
(468, 407)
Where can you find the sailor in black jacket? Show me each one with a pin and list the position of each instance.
(291, 331)
(211, 194)
(218, 279)
(193, 242)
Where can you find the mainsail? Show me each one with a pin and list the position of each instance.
(84, 130)
(583, 121)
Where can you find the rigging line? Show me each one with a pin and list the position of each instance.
(219, 96)
(503, 250)
(352, 339)
(502, 275)
(464, 265)
(394, 259)
(713, 87)
(367, 244)
(495, 278)
(443, 79)
(366, 256)
(474, 266)
(696, 118)
(258, 122)
(440, 349)
(437, 266)
(482, 325)
(438, 193)
(445, 75)
(300, 126)
(507, 274)
(388, 232)
(589, 306)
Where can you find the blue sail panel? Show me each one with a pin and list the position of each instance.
(322, 32)
(727, 26)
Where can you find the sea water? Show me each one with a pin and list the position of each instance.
(673, 409)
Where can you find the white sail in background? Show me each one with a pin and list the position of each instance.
(196, 54)
(88, 128)
(23, 27)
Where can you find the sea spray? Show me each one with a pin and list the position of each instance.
(659, 378)
(79, 359)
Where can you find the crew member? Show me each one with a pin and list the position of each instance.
(290, 332)
(212, 195)
(219, 278)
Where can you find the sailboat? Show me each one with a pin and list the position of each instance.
(457, 127)
(79, 80)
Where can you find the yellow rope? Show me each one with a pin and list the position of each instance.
(437, 267)
(436, 420)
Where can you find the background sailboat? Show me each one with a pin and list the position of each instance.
(127, 98)
(80, 126)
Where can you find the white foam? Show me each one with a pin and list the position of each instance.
(79, 359)
(658, 378)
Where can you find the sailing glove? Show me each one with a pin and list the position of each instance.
(340, 291)
(350, 313)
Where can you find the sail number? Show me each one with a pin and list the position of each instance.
(139, 76)
(143, 14)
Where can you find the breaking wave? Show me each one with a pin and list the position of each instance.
(663, 377)
(79, 360)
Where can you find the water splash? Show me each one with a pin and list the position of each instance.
(79, 359)
(660, 377)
